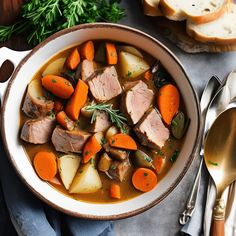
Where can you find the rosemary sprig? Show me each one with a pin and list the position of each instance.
(115, 116)
(41, 18)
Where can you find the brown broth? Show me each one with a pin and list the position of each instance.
(127, 189)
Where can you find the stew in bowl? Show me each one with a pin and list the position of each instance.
(91, 101)
(103, 121)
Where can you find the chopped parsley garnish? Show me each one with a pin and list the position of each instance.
(113, 167)
(145, 174)
(159, 152)
(147, 158)
(87, 153)
(67, 83)
(129, 74)
(103, 141)
(91, 161)
(54, 81)
(51, 114)
(213, 163)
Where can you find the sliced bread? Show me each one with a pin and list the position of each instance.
(151, 8)
(197, 11)
(220, 31)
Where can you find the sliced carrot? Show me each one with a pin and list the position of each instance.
(144, 179)
(111, 53)
(123, 141)
(65, 121)
(73, 60)
(159, 162)
(115, 191)
(58, 86)
(168, 102)
(148, 75)
(58, 106)
(77, 100)
(45, 165)
(55, 181)
(87, 50)
(92, 147)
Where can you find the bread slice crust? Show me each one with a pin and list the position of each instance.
(179, 14)
(195, 32)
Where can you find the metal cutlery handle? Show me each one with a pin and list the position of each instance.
(191, 202)
(208, 93)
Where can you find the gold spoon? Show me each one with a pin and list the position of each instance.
(220, 159)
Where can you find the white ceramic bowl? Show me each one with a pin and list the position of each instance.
(12, 104)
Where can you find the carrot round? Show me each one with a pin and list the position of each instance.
(65, 121)
(115, 191)
(87, 50)
(168, 102)
(77, 100)
(144, 179)
(111, 53)
(73, 59)
(92, 147)
(58, 86)
(45, 165)
(123, 141)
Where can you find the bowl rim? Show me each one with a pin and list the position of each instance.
(71, 212)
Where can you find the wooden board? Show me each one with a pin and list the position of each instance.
(175, 32)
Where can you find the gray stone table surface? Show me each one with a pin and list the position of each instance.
(162, 220)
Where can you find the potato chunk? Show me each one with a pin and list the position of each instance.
(68, 166)
(87, 180)
(55, 67)
(35, 103)
(131, 50)
(132, 66)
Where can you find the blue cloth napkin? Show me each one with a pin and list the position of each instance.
(32, 217)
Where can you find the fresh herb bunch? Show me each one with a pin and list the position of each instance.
(116, 116)
(41, 18)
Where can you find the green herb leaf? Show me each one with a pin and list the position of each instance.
(213, 163)
(129, 74)
(115, 116)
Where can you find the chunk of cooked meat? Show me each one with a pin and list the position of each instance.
(87, 69)
(36, 107)
(136, 100)
(115, 153)
(151, 130)
(105, 85)
(119, 170)
(38, 131)
(118, 154)
(101, 123)
(69, 141)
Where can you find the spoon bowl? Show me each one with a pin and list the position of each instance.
(219, 155)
